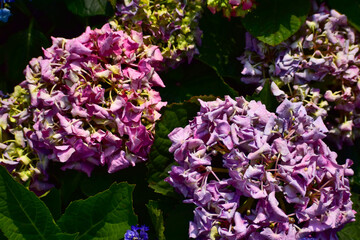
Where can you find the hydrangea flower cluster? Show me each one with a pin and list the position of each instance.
(231, 8)
(91, 100)
(16, 154)
(253, 174)
(134, 233)
(325, 50)
(173, 25)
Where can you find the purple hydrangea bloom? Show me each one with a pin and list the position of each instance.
(91, 102)
(172, 25)
(325, 50)
(137, 233)
(253, 174)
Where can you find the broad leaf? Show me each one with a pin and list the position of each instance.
(22, 214)
(160, 162)
(350, 8)
(222, 42)
(106, 215)
(193, 80)
(177, 221)
(274, 21)
(157, 219)
(17, 52)
(53, 201)
(86, 8)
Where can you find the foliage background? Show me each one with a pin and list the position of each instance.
(106, 205)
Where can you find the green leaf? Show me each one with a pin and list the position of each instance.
(266, 97)
(193, 79)
(274, 21)
(17, 53)
(157, 219)
(53, 201)
(350, 8)
(22, 214)
(161, 160)
(85, 8)
(351, 231)
(66, 236)
(177, 221)
(70, 184)
(106, 215)
(222, 42)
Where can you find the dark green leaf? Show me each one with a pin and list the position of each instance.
(266, 97)
(157, 219)
(177, 221)
(350, 8)
(66, 236)
(223, 41)
(351, 231)
(86, 8)
(70, 184)
(106, 215)
(160, 162)
(274, 21)
(22, 214)
(53, 202)
(18, 51)
(193, 80)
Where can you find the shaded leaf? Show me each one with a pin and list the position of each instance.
(86, 8)
(222, 42)
(193, 80)
(350, 8)
(18, 51)
(161, 160)
(157, 219)
(69, 182)
(274, 21)
(177, 221)
(107, 215)
(53, 202)
(66, 236)
(22, 214)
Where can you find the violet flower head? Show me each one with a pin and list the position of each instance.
(326, 50)
(137, 233)
(92, 102)
(253, 174)
(173, 25)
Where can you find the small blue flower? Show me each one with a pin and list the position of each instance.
(4, 14)
(133, 234)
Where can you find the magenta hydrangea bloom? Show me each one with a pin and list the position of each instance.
(91, 100)
(253, 174)
(326, 50)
